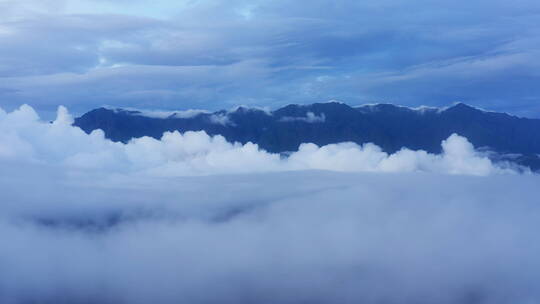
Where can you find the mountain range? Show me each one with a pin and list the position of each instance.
(502, 136)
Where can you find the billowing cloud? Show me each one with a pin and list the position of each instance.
(26, 137)
(83, 219)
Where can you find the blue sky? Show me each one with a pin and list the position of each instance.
(218, 54)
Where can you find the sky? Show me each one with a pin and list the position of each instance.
(191, 218)
(214, 55)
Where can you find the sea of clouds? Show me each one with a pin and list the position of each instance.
(192, 218)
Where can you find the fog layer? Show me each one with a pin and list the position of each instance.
(194, 219)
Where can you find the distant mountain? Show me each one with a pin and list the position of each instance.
(389, 126)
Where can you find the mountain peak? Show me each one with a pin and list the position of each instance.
(460, 106)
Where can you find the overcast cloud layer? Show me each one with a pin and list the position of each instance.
(86, 220)
(216, 54)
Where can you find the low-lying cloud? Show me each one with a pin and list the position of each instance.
(25, 137)
(86, 220)
(309, 118)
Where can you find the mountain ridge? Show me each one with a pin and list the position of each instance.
(389, 126)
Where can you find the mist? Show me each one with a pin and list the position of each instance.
(192, 218)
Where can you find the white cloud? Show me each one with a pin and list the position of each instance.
(196, 153)
(83, 219)
(221, 119)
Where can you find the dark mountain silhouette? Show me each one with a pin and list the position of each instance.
(389, 126)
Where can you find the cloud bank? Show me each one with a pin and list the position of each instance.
(86, 220)
(25, 137)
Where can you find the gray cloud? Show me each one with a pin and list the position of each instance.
(270, 53)
(323, 238)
